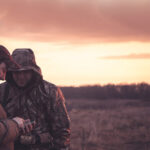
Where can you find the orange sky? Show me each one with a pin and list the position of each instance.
(80, 42)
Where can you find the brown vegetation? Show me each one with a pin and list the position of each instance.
(109, 124)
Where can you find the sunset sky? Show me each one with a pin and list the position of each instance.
(80, 42)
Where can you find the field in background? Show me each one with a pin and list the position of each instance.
(109, 124)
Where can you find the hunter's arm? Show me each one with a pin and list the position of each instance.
(8, 128)
(9, 131)
(60, 121)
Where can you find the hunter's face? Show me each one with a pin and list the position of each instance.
(22, 78)
(2, 71)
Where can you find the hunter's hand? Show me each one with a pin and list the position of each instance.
(3, 70)
(29, 125)
(25, 125)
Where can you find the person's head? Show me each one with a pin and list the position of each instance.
(6, 58)
(28, 73)
(22, 78)
(6, 61)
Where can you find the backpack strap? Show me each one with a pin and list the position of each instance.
(5, 96)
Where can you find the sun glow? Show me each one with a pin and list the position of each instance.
(69, 64)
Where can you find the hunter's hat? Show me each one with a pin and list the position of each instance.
(26, 59)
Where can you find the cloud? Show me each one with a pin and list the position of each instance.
(75, 21)
(129, 56)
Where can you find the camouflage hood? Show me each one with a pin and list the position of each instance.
(5, 57)
(25, 58)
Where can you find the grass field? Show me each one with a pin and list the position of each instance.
(109, 124)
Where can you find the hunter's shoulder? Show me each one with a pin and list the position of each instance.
(2, 90)
(50, 87)
(53, 90)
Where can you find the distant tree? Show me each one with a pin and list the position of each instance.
(110, 91)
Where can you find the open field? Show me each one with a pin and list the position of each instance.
(109, 124)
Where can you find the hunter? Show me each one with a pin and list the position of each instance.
(10, 129)
(27, 95)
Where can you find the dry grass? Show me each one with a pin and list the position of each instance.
(109, 124)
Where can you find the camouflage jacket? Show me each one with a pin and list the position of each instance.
(42, 102)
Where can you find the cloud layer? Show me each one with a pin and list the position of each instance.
(75, 21)
(130, 56)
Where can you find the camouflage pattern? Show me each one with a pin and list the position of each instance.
(40, 101)
(6, 57)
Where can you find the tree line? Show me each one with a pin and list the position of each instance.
(110, 91)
